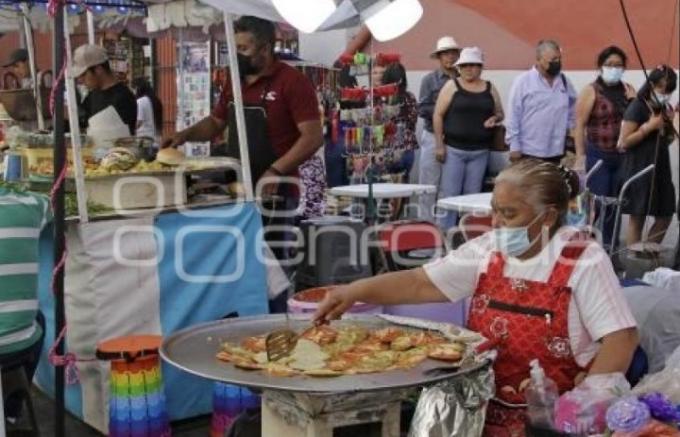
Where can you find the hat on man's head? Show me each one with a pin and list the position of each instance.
(444, 44)
(87, 56)
(18, 55)
(471, 55)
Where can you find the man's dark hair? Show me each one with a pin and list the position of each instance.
(611, 50)
(263, 31)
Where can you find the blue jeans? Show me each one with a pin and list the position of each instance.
(606, 181)
(462, 173)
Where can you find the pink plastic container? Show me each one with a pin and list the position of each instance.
(307, 301)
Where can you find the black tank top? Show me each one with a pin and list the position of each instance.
(464, 120)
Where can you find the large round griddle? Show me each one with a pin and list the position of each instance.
(194, 349)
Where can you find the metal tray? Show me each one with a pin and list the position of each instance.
(193, 350)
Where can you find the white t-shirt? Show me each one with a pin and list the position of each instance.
(146, 127)
(597, 306)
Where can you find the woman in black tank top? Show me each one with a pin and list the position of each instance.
(467, 112)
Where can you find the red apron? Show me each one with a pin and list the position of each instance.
(529, 320)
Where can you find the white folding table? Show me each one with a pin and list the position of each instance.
(382, 191)
(478, 203)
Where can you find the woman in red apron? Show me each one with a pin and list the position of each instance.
(537, 290)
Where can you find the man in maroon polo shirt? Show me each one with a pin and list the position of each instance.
(282, 111)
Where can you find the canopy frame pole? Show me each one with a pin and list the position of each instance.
(28, 32)
(59, 218)
(74, 124)
(90, 28)
(238, 107)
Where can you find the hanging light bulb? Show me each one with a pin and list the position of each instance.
(388, 19)
(305, 15)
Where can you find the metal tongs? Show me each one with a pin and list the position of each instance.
(280, 343)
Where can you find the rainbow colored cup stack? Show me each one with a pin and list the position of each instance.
(136, 400)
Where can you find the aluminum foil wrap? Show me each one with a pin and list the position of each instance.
(456, 407)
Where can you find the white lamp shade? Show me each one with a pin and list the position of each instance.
(389, 19)
(305, 15)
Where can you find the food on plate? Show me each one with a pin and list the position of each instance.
(324, 351)
(447, 352)
(321, 335)
(170, 156)
(402, 343)
(119, 158)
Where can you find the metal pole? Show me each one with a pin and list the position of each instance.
(624, 188)
(676, 264)
(28, 32)
(238, 106)
(592, 171)
(90, 27)
(72, 105)
(59, 212)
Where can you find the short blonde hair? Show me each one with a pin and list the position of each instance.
(544, 183)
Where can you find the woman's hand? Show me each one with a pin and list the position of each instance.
(579, 164)
(654, 123)
(440, 154)
(491, 122)
(337, 301)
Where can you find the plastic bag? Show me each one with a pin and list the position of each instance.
(455, 407)
(582, 410)
(666, 381)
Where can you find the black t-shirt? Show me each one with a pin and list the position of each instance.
(464, 120)
(119, 96)
(638, 112)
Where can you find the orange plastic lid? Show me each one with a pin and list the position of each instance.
(129, 347)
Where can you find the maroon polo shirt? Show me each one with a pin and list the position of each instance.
(290, 99)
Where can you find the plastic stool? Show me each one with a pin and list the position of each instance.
(136, 399)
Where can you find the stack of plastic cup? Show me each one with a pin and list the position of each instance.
(136, 402)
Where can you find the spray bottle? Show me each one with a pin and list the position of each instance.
(541, 396)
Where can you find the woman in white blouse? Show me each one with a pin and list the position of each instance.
(149, 111)
(538, 289)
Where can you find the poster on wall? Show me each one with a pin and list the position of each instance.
(193, 90)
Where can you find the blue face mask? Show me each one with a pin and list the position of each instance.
(514, 241)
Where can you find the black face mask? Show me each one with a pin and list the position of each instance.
(245, 65)
(554, 68)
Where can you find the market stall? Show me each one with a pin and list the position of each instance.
(132, 267)
(153, 274)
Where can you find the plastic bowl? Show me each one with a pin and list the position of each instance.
(307, 301)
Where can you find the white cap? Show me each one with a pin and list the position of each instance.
(87, 56)
(471, 55)
(443, 44)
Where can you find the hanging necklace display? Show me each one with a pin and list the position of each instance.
(368, 122)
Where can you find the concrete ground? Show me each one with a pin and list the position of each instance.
(44, 407)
